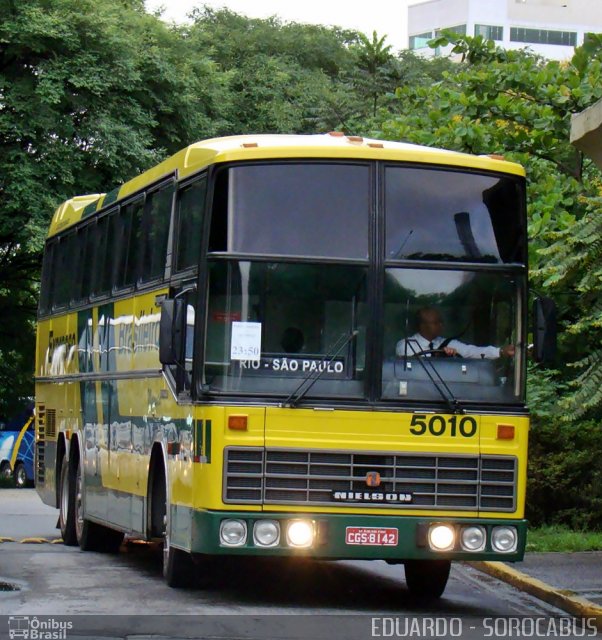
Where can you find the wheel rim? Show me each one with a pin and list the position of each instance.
(20, 477)
(79, 509)
(64, 499)
(165, 546)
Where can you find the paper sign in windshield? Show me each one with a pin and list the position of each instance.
(246, 341)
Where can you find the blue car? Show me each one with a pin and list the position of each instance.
(17, 449)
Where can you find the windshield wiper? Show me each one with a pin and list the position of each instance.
(452, 402)
(313, 376)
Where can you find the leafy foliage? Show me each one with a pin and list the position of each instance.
(88, 95)
(519, 105)
(94, 93)
(565, 474)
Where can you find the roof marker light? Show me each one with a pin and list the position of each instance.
(376, 145)
(336, 134)
(249, 145)
(355, 138)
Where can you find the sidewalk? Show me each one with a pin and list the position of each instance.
(570, 581)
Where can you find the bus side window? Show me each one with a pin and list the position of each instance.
(99, 283)
(64, 274)
(84, 261)
(47, 278)
(108, 258)
(189, 224)
(127, 242)
(155, 233)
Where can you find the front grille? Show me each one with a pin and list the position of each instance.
(298, 477)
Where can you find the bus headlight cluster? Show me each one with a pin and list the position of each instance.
(233, 533)
(299, 533)
(266, 533)
(504, 539)
(441, 537)
(473, 538)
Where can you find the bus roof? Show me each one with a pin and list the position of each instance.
(264, 147)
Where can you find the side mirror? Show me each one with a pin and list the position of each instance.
(172, 331)
(544, 330)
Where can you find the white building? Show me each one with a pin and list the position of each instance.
(552, 28)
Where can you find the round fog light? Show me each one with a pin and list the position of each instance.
(473, 538)
(504, 539)
(300, 533)
(266, 533)
(233, 533)
(441, 537)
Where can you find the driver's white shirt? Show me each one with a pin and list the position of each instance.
(416, 343)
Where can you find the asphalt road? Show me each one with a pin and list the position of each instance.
(123, 595)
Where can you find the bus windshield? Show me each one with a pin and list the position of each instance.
(471, 314)
(304, 255)
(293, 209)
(270, 324)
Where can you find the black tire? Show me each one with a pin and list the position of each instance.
(427, 579)
(178, 565)
(19, 475)
(92, 536)
(67, 504)
(5, 471)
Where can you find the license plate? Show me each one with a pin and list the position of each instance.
(372, 536)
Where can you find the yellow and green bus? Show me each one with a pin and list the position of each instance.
(218, 362)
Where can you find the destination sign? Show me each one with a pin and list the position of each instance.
(285, 366)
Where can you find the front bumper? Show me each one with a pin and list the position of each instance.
(330, 542)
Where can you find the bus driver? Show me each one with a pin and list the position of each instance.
(428, 340)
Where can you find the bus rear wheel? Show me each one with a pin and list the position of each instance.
(427, 579)
(92, 536)
(67, 504)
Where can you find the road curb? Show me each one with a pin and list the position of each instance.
(31, 540)
(566, 600)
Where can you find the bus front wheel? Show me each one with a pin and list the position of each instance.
(178, 565)
(427, 579)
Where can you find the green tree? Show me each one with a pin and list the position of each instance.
(375, 68)
(280, 78)
(90, 94)
(518, 105)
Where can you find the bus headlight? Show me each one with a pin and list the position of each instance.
(266, 533)
(233, 533)
(473, 538)
(504, 539)
(441, 537)
(300, 533)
